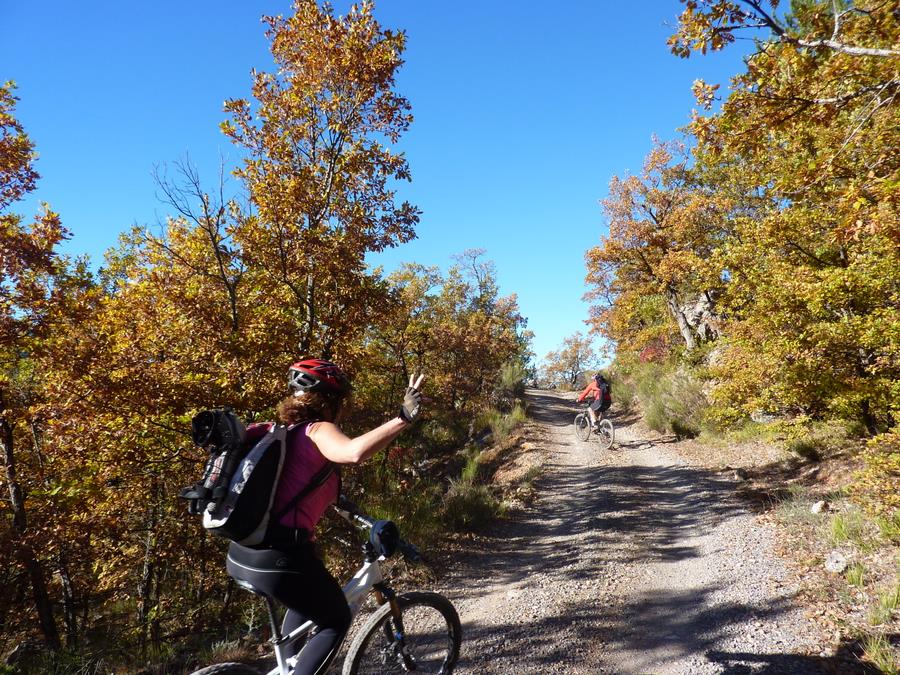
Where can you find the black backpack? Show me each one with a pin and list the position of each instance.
(605, 395)
(237, 490)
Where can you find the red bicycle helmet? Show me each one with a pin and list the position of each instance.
(317, 375)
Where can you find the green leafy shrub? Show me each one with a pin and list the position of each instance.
(853, 527)
(742, 432)
(887, 604)
(685, 404)
(655, 415)
(806, 447)
(672, 399)
(813, 440)
(416, 510)
(623, 390)
(889, 527)
(793, 509)
(875, 486)
(500, 424)
(649, 380)
(438, 436)
(510, 383)
(684, 430)
(472, 469)
(468, 506)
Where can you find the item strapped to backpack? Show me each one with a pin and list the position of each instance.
(237, 491)
(225, 436)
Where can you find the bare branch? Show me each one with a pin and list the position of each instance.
(835, 100)
(843, 48)
(879, 104)
(838, 15)
(767, 20)
(832, 43)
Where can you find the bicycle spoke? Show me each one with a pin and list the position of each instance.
(429, 642)
(582, 427)
(606, 434)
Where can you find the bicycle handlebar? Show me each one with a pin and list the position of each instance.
(409, 552)
(350, 512)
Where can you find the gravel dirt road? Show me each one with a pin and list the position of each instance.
(630, 561)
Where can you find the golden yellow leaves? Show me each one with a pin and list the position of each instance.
(704, 93)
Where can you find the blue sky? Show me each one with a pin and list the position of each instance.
(523, 112)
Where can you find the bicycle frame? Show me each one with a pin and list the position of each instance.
(586, 412)
(601, 414)
(367, 578)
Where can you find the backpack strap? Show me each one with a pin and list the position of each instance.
(315, 482)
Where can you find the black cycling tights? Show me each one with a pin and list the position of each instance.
(298, 580)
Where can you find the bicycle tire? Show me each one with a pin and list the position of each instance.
(582, 427)
(606, 434)
(432, 635)
(227, 669)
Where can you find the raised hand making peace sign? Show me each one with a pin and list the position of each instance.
(411, 407)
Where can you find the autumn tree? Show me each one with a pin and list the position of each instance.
(784, 217)
(571, 362)
(653, 277)
(204, 309)
(846, 27)
(40, 293)
(317, 170)
(808, 129)
(457, 327)
(208, 307)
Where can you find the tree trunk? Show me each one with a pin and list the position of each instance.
(71, 617)
(687, 332)
(145, 585)
(868, 418)
(306, 339)
(25, 553)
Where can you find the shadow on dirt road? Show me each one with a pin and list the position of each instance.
(536, 591)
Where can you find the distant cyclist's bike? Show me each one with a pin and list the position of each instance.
(605, 432)
(411, 632)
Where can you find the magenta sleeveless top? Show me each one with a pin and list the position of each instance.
(301, 462)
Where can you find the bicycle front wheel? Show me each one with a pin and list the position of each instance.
(582, 426)
(606, 433)
(426, 639)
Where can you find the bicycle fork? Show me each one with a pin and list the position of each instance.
(394, 627)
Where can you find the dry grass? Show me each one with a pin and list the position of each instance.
(858, 606)
(861, 603)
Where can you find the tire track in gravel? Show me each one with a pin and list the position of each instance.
(629, 562)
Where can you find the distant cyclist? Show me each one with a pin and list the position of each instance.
(287, 566)
(601, 391)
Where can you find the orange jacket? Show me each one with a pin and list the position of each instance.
(591, 389)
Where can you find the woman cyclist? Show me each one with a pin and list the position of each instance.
(287, 567)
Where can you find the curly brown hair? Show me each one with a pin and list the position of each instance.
(308, 406)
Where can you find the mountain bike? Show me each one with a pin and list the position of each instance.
(416, 631)
(605, 431)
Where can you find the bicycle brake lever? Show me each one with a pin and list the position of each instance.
(410, 552)
(344, 504)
